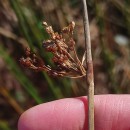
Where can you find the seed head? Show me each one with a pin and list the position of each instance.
(65, 64)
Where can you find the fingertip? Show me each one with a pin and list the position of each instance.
(31, 118)
(24, 121)
(64, 114)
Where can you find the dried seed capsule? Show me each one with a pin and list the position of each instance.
(25, 62)
(44, 23)
(27, 51)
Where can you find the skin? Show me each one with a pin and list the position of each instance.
(112, 112)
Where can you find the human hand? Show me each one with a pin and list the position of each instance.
(112, 112)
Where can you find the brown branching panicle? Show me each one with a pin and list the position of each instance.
(62, 46)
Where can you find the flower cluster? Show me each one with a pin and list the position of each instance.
(62, 46)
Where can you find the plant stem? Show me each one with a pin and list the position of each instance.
(89, 72)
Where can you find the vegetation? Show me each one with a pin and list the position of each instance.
(21, 27)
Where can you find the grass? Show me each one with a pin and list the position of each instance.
(19, 75)
(28, 27)
(34, 39)
(4, 125)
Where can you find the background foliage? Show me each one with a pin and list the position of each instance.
(21, 26)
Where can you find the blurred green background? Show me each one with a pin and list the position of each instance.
(21, 26)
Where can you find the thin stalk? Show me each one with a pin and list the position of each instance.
(11, 100)
(89, 72)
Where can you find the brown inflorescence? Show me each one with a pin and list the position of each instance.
(60, 45)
